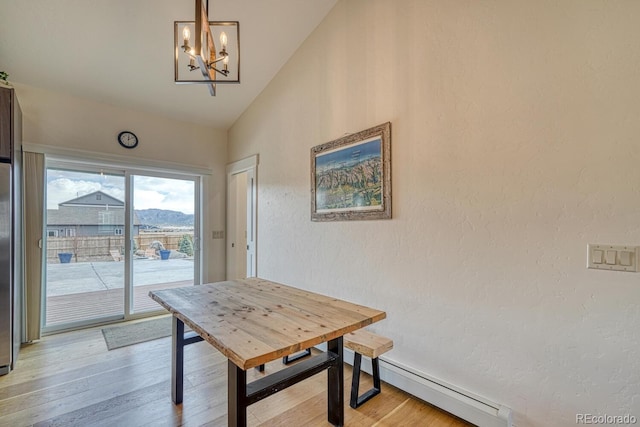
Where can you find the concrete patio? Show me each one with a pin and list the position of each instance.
(64, 279)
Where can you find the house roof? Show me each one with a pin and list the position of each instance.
(97, 198)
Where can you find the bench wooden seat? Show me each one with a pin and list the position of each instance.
(365, 343)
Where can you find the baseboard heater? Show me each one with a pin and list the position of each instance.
(461, 403)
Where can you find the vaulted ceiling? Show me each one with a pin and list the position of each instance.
(120, 52)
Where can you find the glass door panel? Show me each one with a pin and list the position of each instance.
(164, 237)
(84, 247)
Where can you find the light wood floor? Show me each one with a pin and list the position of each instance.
(71, 379)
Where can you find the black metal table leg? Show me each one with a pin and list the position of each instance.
(177, 360)
(290, 359)
(335, 385)
(241, 395)
(237, 396)
(355, 380)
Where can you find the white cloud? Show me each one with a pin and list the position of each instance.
(163, 193)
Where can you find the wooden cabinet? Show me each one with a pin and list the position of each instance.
(10, 123)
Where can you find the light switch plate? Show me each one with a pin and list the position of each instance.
(613, 257)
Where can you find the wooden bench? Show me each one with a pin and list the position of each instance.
(150, 254)
(365, 343)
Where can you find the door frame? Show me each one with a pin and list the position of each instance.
(250, 166)
(102, 163)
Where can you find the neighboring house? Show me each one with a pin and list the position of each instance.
(94, 214)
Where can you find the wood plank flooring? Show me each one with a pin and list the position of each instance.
(71, 379)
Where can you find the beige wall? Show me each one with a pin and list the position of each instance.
(59, 120)
(515, 144)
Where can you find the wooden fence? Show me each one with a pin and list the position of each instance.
(98, 248)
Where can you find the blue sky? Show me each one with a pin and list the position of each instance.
(344, 155)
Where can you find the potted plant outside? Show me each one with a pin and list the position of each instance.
(65, 257)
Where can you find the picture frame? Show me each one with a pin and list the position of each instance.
(351, 176)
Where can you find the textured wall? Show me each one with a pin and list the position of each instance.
(515, 144)
(60, 120)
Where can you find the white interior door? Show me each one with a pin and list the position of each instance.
(241, 219)
(237, 225)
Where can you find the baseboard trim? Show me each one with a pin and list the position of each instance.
(461, 403)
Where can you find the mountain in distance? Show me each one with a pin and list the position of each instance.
(163, 218)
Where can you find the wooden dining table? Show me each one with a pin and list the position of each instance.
(254, 321)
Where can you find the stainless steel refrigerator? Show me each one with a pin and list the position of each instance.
(10, 230)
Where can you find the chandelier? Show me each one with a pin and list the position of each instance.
(197, 58)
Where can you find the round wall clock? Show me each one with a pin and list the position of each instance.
(128, 139)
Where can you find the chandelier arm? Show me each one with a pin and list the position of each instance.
(216, 60)
(223, 72)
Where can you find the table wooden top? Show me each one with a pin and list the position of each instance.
(254, 321)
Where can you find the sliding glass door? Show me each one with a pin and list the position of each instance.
(111, 237)
(164, 237)
(85, 220)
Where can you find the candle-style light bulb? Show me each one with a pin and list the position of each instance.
(223, 40)
(225, 62)
(186, 35)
